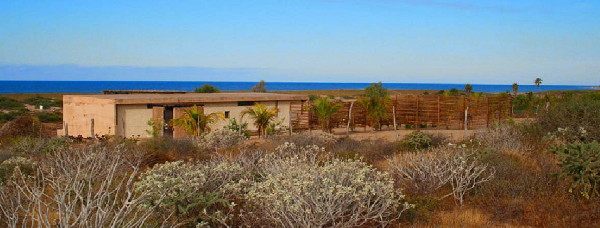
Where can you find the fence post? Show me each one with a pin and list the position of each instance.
(487, 112)
(466, 113)
(394, 114)
(417, 123)
(92, 135)
(66, 130)
(349, 118)
(438, 111)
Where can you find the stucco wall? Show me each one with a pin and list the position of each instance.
(132, 121)
(235, 111)
(79, 111)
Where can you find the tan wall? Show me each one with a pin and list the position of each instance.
(132, 121)
(78, 113)
(235, 111)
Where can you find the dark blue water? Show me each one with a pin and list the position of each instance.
(99, 86)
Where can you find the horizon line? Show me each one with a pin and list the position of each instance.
(319, 82)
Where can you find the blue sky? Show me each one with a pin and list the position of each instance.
(331, 40)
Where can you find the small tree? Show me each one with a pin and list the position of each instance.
(195, 122)
(324, 108)
(262, 116)
(376, 101)
(241, 127)
(468, 89)
(207, 88)
(515, 89)
(260, 87)
(537, 82)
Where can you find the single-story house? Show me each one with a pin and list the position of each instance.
(128, 115)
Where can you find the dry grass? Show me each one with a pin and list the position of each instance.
(22, 96)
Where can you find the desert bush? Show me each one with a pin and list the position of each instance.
(88, 187)
(49, 117)
(160, 150)
(581, 163)
(502, 137)
(307, 138)
(289, 154)
(240, 127)
(36, 146)
(417, 140)
(207, 88)
(574, 119)
(189, 194)
(7, 167)
(21, 126)
(429, 171)
(369, 150)
(324, 109)
(10, 104)
(221, 139)
(298, 191)
(7, 116)
(43, 101)
(376, 101)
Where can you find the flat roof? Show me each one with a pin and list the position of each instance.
(192, 97)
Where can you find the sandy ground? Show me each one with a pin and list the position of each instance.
(391, 135)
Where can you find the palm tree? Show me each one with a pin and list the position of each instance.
(537, 82)
(262, 116)
(376, 101)
(468, 89)
(195, 122)
(324, 109)
(515, 89)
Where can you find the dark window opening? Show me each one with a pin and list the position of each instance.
(245, 103)
(226, 114)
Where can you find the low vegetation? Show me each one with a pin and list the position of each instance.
(541, 171)
(207, 88)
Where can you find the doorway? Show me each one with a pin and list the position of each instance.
(168, 127)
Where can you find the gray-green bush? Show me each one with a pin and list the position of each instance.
(580, 162)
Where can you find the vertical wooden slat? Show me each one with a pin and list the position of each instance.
(417, 123)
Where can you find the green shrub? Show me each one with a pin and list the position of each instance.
(10, 104)
(417, 140)
(240, 127)
(43, 101)
(26, 166)
(49, 117)
(575, 119)
(581, 163)
(10, 115)
(207, 88)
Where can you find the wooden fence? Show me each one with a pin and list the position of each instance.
(415, 111)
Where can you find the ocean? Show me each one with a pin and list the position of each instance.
(98, 86)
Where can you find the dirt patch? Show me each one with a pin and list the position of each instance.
(391, 135)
